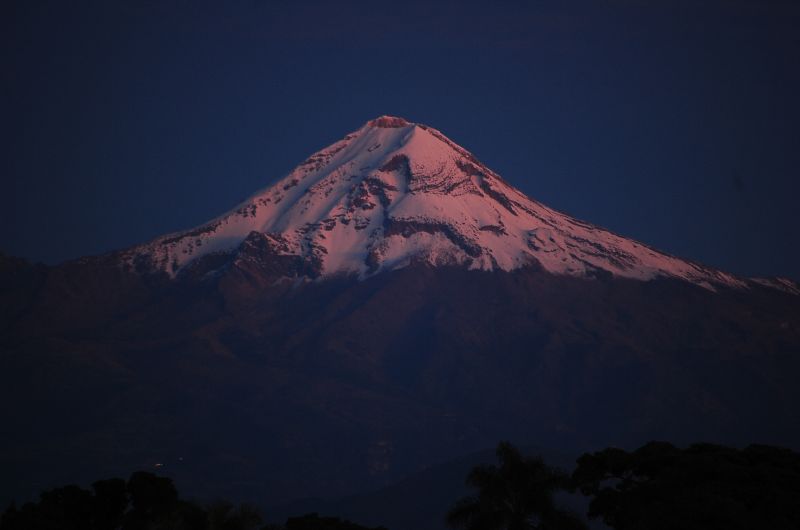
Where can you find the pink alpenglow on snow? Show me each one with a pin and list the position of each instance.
(394, 193)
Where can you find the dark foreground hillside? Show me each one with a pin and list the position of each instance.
(243, 388)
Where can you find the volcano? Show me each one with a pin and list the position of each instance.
(394, 193)
(390, 304)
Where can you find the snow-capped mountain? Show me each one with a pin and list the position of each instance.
(341, 385)
(395, 192)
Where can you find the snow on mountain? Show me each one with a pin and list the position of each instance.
(395, 192)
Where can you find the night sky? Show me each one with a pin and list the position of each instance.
(675, 123)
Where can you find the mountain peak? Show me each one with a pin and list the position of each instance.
(389, 122)
(391, 194)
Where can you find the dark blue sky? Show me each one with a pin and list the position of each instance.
(675, 123)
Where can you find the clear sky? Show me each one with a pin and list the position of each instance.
(676, 123)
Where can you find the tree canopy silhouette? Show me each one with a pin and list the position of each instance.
(517, 495)
(146, 502)
(702, 487)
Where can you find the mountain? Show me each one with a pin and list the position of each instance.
(390, 305)
(393, 193)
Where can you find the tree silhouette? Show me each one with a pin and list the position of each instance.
(153, 500)
(109, 503)
(66, 508)
(702, 487)
(146, 502)
(517, 495)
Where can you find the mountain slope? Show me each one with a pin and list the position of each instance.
(244, 388)
(395, 192)
(429, 337)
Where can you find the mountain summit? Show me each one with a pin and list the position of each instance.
(394, 193)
